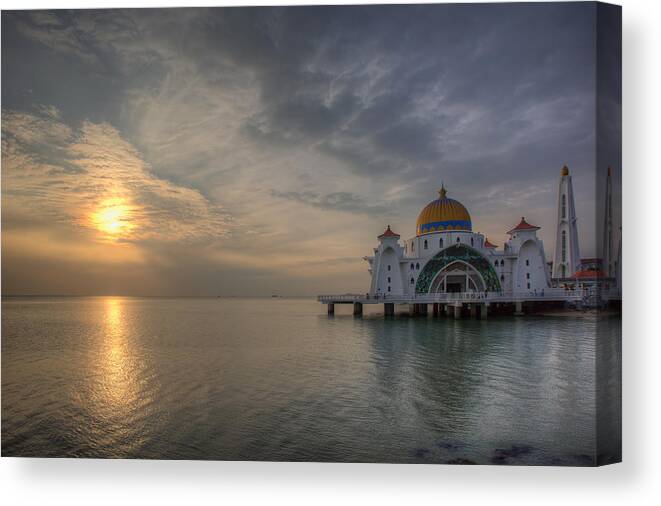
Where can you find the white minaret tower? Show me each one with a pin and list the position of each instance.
(566, 259)
(618, 265)
(609, 259)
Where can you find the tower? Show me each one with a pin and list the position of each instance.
(385, 266)
(609, 259)
(618, 264)
(566, 258)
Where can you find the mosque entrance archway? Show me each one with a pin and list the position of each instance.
(458, 277)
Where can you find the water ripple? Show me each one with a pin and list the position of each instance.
(279, 380)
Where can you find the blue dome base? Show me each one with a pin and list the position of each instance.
(445, 226)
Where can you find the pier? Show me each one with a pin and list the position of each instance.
(456, 305)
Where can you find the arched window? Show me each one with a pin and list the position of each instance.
(527, 262)
(425, 243)
(527, 276)
(388, 267)
(458, 239)
(417, 267)
(440, 242)
(528, 286)
(388, 279)
(412, 280)
(502, 277)
(564, 246)
(502, 262)
(412, 266)
(412, 246)
(564, 206)
(472, 242)
(388, 286)
(496, 263)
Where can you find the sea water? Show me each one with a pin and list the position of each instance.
(279, 379)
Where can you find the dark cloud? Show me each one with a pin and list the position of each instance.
(418, 86)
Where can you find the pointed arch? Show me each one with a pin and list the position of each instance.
(458, 252)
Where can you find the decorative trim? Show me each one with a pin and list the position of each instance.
(444, 226)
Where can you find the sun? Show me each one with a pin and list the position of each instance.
(113, 217)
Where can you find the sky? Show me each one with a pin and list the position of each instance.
(251, 151)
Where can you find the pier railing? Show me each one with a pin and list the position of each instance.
(551, 294)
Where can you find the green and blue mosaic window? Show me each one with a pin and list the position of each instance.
(452, 254)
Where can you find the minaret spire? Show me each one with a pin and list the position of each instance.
(442, 192)
(607, 252)
(566, 258)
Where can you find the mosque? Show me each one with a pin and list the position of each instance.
(447, 256)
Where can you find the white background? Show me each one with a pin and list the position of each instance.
(636, 481)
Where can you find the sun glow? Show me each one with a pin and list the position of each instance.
(113, 217)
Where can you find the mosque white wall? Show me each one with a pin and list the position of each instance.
(503, 267)
(531, 273)
(411, 269)
(389, 278)
(386, 267)
(428, 245)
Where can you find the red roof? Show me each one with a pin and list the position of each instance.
(523, 225)
(589, 274)
(388, 233)
(487, 244)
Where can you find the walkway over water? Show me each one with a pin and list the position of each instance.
(477, 303)
(550, 295)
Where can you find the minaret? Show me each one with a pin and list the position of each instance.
(566, 259)
(618, 265)
(608, 260)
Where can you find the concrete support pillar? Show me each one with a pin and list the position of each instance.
(422, 309)
(331, 308)
(448, 310)
(389, 309)
(358, 308)
(457, 311)
(518, 308)
(435, 309)
(413, 309)
(473, 310)
(483, 311)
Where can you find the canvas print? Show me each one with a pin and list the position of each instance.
(383, 233)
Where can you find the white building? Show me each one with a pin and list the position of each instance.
(447, 256)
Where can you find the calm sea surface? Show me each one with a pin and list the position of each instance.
(277, 379)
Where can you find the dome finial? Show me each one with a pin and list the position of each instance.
(565, 170)
(442, 191)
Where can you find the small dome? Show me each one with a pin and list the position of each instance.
(442, 215)
(388, 233)
(565, 171)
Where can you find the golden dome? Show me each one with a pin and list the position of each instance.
(443, 214)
